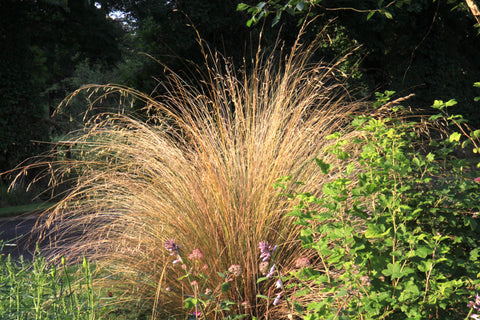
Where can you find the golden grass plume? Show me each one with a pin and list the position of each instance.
(201, 171)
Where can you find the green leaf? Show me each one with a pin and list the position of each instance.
(370, 14)
(393, 270)
(350, 168)
(474, 254)
(435, 117)
(183, 277)
(190, 303)
(358, 121)
(277, 18)
(388, 15)
(298, 307)
(333, 136)
(422, 252)
(375, 231)
(225, 287)
(438, 104)
(325, 167)
(242, 7)
(300, 5)
(451, 102)
(475, 134)
(262, 279)
(455, 137)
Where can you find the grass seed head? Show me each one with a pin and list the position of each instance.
(201, 171)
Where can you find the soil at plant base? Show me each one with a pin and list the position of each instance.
(15, 232)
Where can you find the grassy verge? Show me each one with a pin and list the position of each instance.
(38, 290)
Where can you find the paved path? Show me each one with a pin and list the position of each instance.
(15, 232)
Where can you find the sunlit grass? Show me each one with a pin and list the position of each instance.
(201, 171)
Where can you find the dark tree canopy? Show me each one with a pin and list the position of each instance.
(42, 42)
(50, 47)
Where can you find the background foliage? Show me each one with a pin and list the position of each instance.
(51, 47)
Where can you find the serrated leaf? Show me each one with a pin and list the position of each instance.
(422, 252)
(393, 270)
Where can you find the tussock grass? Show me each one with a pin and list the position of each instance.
(201, 171)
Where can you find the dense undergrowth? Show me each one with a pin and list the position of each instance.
(181, 216)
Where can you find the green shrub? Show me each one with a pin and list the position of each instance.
(397, 231)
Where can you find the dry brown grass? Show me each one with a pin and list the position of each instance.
(199, 171)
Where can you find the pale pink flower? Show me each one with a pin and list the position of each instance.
(236, 269)
(302, 262)
(263, 267)
(196, 255)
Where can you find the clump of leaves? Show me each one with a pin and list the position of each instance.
(399, 239)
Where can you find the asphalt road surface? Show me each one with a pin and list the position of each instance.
(15, 233)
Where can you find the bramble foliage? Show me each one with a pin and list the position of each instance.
(397, 231)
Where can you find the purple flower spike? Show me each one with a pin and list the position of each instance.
(266, 250)
(171, 246)
(279, 284)
(271, 272)
(277, 299)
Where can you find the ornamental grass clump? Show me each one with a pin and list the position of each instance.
(199, 170)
